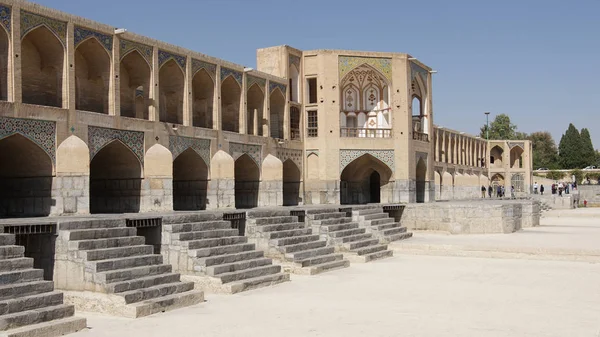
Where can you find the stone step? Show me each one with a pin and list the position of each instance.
(280, 227)
(24, 303)
(375, 216)
(347, 232)
(249, 273)
(392, 231)
(213, 242)
(257, 282)
(328, 266)
(115, 253)
(367, 211)
(370, 249)
(352, 238)
(10, 291)
(124, 241)
(90, 224)
(289, 233)
(215, 233)
(338, 227)
(16, 264)
(383, 221)
(11, 252)
(191, 218)
(275, 220)
(361, 244)
(335, 221)
(21, 275)
(101, 233)
(320, 210)
(237, 266)
(387, 226)
(160, 290)
(320, 259)
(398, 237)
(197, 226)
(309, 253)
(7, 239)
(142, 282)
(222, 250)
(294, 240)
(229, 258)
(302, 246)
(19, 319)
(124, 262)
(120, 275)
(54, 328)
(165, 303)
(330, 215)
(382, 254)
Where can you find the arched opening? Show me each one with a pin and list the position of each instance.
(516, 157)
(438, 184)
(421, 175)
(135, 85)
(247, 179)
(518, 182)
(294, 84)
(190, 179)
(255, 103)
(171, 92)
(203, 90)
(42, 68)
(230, 105)
(496, 154)
(294, 123)
(417, 114)
(497, 180)
(276, 115)
(25, 178)
(92, 75)
(362, 180)
(4, 76)
(291, 183)
(115, 180)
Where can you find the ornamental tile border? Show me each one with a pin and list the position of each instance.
(386, 156)
(511, 145)
(179, 144)
(42, 133)
(164, 56)
(237, 75)
(295, 155)
(417, 69)
(5, 17)
(275, 85)
(295, 60)
(210, 68)
(30, 21)
(98, 138)
(144, 50)
(236, 150)
(82, 34)
(348, 63)
(251, 80)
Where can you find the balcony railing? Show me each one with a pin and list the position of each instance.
(365, 133)
(420, 136)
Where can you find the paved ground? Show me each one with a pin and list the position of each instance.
(409, 295)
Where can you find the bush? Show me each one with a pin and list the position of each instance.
(578, 175)
(555, 175)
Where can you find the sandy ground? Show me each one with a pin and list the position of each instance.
(408, 295)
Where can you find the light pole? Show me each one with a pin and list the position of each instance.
(487, 125)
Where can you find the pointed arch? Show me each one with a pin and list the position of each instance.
(276, 113)
(294, 83)
(420, 178)
(359, 184)
(247, 181)
(190, 181)
(92, 76)
(73, 156)
(291, 183)
(496, 156)
(171, 83)
(203, 90)
(134, 85)
(230, 104)
(255, 102)
(4, 74)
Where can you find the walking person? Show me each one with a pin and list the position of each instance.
(512, 192)
(542, 189)
(560, 189)
(490, 191)
(535, 188)
(503, 192)
(498, 192)
(483, 189)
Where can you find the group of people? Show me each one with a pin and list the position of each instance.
(498, 192)
(557, 188)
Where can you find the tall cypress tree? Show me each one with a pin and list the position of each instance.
(569, 149)
(588, 153)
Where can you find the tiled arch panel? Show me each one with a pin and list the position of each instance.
(251, 80)
(275, 85)
(144, 50)
(178, 144)
(348, 156)
(225, 72)
(82, 34)
(383, 65)
(30, 21)
(236, 150)
(100, 137)
(164, 56)
(210, 68)
(295, 155)
(42, 133)
(5, 17)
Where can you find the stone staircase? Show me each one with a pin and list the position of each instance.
(379, 223)
(292, 243)
(207, 251)
(29, 306)
(347, 236)
(111, 270)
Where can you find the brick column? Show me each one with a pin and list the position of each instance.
(188, 98)
(154, 92)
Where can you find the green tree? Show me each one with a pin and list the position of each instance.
(569, 149)
(500, 128)
(555, 175)
(588, 152)
(545, 152)
(578, 175)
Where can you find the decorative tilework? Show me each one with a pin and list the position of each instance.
(43, 133)
(5, 17)
(417, 69)
(98, 138)
(251, 80)
(236, 150)
(295, 155)
(421, 155)
(82, 34)
(236, 75)
(347, 63)
(30, 21)
(178, 144)
(139, 93)
(164, 56)
(274, 85)
(347, 156)
(295, 60)
(210, 68)
(309, 152)
(144, 50)
(519, 144)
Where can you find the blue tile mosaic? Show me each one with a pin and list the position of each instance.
(275, 85)
(348, 156)
(347, 63)
(295, 60)
(144, 50)
(43, 133)
(164, 56)
(210, 68)
(237, 75)
(178, 144)
(251, 80)
(98, 138)
(236, 150)
(5, 17)
(31, 21)
(82, 34)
